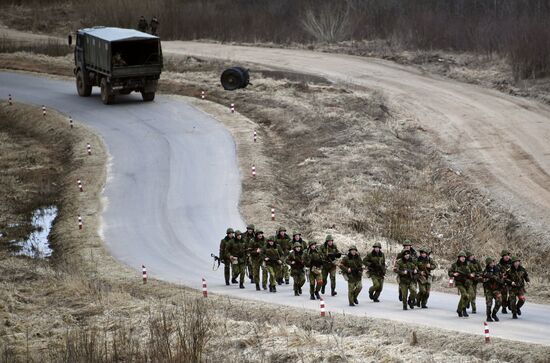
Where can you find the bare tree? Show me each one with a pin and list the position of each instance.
(328, 22)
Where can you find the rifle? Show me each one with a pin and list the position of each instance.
(334, 256)
(216, 259)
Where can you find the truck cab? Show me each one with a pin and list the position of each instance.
(119, 61)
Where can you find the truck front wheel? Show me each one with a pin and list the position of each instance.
(106, 95)
(148, 96)
(83, 88)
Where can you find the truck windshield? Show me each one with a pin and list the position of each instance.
(135, 52)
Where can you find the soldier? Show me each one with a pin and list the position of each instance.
(248, 237)
(224, 257)
(314, 261)
(296, 262)
(476, 268)
(407, 246)
(272, 256)
(492, 285)
(463, 278)
(154, 25)
(425, 266)
(236, 249)
(330, 256)
(516, 278)
(352, 269)
(408, 273)
(255, 248)
(283, 240)
(504, 265)
(297, 237)
(142, 24)
(376, 269)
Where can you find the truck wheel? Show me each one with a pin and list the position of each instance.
(106, 96)
(82, 87)
(148, 96)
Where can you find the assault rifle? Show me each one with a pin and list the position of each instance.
(411, 273)
(334, 256)
(216, 259)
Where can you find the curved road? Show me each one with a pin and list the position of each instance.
(174, 187)
(500, 141)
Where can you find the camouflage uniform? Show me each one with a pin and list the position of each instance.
(408, 273)
(154, 25)
(330, 257)
(314, 261)
(255, 248)
(297, 264)
(142, 25)
(236, 249)
(272, 256)
(224, 257)
(284, 242)
(352, 269)
(463, 280)
(376, 269)
(248, 237)
(504, 265)
(492, 287)
(425, 266)
(476, 268)
(407, 246)
(516, 278)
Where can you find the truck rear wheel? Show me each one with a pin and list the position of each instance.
(83, 88)
(106, 95)
(148, 96)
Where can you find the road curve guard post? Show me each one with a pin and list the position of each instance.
(204, 288)
(487, 336)
(80, 222)
(272, 214)
(322, 307)
(44, 111)
(144, 273)
(71, 122)
(235, 78)
(89, 149)
(10, 101)
(253, 171)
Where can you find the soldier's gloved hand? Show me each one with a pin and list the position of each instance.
(513, 283)
(292, 263)
(415, 271)
(280, 262)
(266, 259)
(428, 265)
(456, 274)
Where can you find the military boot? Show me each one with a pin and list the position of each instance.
(234, 280)
(258, 287)
(274, 289)
(264, 287)
(405, 307)
(317, 295)
(227, 282)
(459, 312)
(489, 318)
(241, 286)
(400, 296)
(504, 311)
(494, 315)
(418, 302)
(514, 315)
(296, 293)
(411, 303)
(465, 313)
(351, 304)
(356, 301)
(371, 296)
(312, 297)
(300, 291)
(474, 308)
(334, 293)
(519, 305)
(287, 281)
(323, 289)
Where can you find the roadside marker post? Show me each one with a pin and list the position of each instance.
(322, 306)
(71, 122)
(487, 337)
(79, 222)
(272, 214)
(203, 95)
(232, 108)
(253, 171)
(44, 111)
(255, 136)
(10, 102)
(144, 272)
(80, 185)
(452, 282)
(89, 148)
(204, 288)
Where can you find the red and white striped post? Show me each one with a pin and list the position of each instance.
(71, 122)
(79, 222)
(44, 111)
(322, 306)
(487, 337)
(144, 272)
(253, 171)
(79, 182)
(272, 214)
(10, 102)
(232, 108)
(451, 282)
(203, 95)
(89, 148)
(255, 136)
(204, 288)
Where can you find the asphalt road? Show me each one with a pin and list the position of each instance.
(173, 188)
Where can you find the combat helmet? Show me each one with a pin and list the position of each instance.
(329, 238)
(258, 231)
(270, 238)
(488, 260)
(229, 230)
(407, 242)
(504, 253)
(296, 233)
(281, 229)
(462, 254)
(352, 247)
(250, 226)
(377, 244)
(237, 233)
(311, 243)
(515, 259)
(423, 249)
(297, 244)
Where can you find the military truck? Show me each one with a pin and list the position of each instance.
(117, 60)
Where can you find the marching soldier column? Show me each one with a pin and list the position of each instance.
(274, 260)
